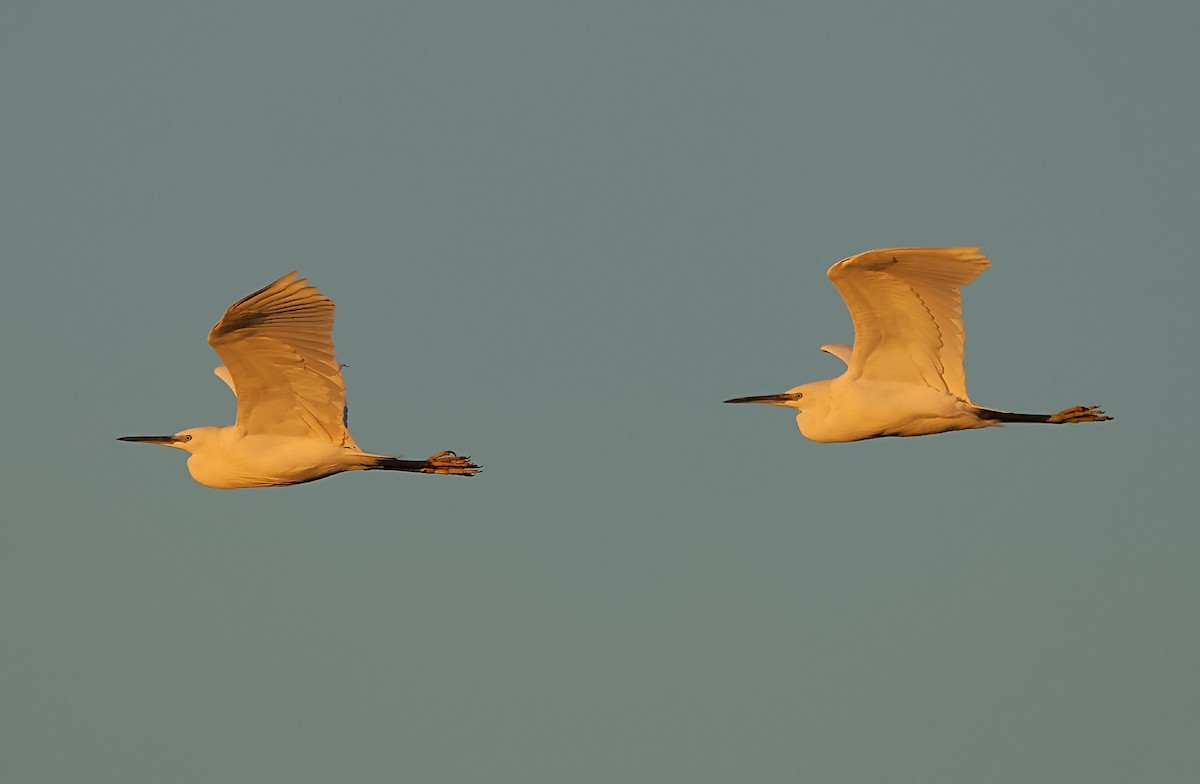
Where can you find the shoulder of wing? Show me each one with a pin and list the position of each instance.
(222, 373)
(839, 350)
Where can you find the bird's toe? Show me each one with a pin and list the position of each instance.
(451, 463)
(1076, 414)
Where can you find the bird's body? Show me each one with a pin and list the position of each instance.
(843, 409)
(904, 374)
(227, 457)
(277, 345)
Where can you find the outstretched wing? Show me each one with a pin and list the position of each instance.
(277, 345)
(907, 312)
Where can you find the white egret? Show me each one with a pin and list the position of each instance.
(277, 345)
(904, 374)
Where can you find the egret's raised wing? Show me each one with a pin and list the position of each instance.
(277, 345)
(907, 313)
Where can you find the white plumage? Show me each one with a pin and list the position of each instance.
(277, 346)
(904, 374)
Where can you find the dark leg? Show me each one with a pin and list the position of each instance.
(441, 463)
(1066, 416)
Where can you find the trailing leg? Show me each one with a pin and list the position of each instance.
(446, 463)
(1066, 416)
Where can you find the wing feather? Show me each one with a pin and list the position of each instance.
(277, 346)
(906, 306)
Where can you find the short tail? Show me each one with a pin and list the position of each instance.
(1071, 415)
(447, 463)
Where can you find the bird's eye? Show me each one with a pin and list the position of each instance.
(188, 437)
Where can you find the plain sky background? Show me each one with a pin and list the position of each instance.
(560, 234)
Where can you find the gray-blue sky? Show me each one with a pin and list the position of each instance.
(559, 234)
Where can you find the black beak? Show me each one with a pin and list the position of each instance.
(149, 439)
(783, 398)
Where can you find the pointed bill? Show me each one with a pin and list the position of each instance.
(781, 399)
(150, 439)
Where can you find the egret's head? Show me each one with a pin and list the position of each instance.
(181, 440)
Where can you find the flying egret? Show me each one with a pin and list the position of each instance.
(277, 345)
(904, 374)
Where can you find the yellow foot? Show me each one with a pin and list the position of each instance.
(450, 463)
(1079, 414)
